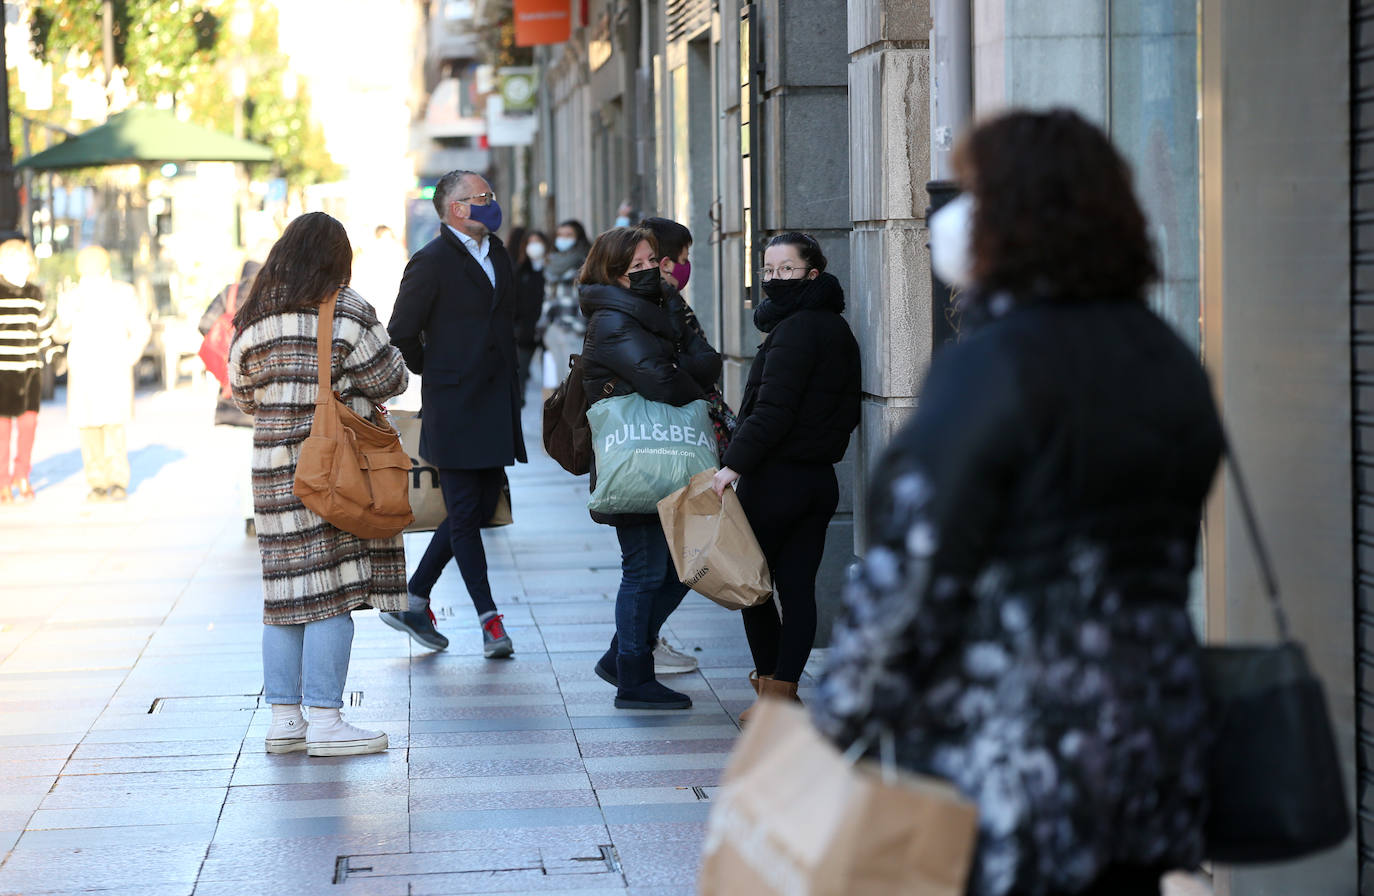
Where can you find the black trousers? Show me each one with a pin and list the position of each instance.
(789, 506)
(471, 497)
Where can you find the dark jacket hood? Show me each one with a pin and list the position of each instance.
(653, 316)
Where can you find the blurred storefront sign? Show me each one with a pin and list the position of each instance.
(542, 22)
(509, 130)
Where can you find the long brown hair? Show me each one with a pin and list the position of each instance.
(1055, 214)
(307, 265)
(612, 254)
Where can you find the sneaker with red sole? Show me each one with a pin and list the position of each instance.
(496, 644)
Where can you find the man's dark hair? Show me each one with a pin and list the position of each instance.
(447, 186)
(1054, 212)
(613, 253)
(672, 237)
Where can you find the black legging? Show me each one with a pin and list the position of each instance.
(789, 506)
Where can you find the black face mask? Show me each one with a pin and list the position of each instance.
(780, 299)
(647, 284)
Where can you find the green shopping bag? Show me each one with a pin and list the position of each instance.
(646, 450)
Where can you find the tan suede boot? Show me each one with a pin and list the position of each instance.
(771, 689)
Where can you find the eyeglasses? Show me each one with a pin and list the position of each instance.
(782, 272)
(479, 199)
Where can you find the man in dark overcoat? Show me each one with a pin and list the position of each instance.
(454, 322)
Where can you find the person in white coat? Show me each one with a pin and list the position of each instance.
(107, 331)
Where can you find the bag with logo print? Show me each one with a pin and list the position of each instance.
(646, 450)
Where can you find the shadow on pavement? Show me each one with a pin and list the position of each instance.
(146, 462)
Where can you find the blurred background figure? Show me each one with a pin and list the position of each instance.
(530, 255)
(227, 414)
(377, 269)
(562, 326)
(625, 215)
(23, 330)
(106, 330)
(1019, 621)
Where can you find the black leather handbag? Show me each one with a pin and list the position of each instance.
(1277, 791)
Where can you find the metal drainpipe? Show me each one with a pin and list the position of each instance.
(951, 107)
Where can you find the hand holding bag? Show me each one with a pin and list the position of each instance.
(713, 546)
(352, 472)
(1277, 791)
(795, 816)
(646, 450)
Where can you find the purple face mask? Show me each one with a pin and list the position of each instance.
(489, 214)
(681, 273)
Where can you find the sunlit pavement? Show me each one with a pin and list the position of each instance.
(131, 726)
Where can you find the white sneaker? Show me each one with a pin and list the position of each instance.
(287, 735)
(668, 660)
(330, 735)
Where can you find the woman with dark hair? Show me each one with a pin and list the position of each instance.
(314, 575)
(529, 260)
(1019, 620)
(634, 345)
(561, 325)
(801, 402)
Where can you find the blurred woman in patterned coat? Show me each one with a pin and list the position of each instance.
(24, 329)
(1019, 620)
(314, 574)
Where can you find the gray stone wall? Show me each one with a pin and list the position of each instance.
(889, 164)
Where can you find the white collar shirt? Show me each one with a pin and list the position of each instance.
(480, 251)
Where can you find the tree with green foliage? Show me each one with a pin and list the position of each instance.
(184, 51)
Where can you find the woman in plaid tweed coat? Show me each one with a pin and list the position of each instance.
(313, 573)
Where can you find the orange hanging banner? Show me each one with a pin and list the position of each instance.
(542, 22)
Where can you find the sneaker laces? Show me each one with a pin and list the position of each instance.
(493, 627)
(432, 621)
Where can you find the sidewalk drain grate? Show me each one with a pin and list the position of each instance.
(601, 859)
(355, 698)
(700, 792)
(205, 703)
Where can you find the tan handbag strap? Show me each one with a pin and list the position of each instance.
(324, 340)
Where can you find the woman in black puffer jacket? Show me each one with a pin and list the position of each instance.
(801, 403)
(637, 343)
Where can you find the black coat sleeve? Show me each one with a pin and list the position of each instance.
(636, 357)
(695, 354)
(787, 366)
(419, 287)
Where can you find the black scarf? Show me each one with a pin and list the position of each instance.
(823, 293)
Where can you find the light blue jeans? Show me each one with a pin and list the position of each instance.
(314, 654)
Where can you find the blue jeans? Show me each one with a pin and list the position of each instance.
(314, 652)
(649, 587)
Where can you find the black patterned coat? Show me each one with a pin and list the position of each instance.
(1019, 619)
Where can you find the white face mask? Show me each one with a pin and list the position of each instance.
(951, 242)
(622, 221)
(16, 272)
(535, 251)
(564, 243)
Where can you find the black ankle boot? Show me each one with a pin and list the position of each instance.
(639, 690)
(606, 667)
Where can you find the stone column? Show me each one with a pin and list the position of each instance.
(889, 163)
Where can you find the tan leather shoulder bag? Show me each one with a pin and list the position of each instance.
(351, 471)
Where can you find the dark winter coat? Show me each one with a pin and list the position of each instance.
(458, 332)
(1019, 620)
(635, 345)
(529, 304)
(801, 401)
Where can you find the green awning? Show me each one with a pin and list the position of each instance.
(145, 136)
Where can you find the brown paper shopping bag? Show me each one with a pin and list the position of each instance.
(794, 817)
(426, 498)
(713, 547)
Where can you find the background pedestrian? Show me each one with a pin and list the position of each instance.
(314, 574)
(24, 328)
(530, 255)
(561, 325)
(106, 331)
